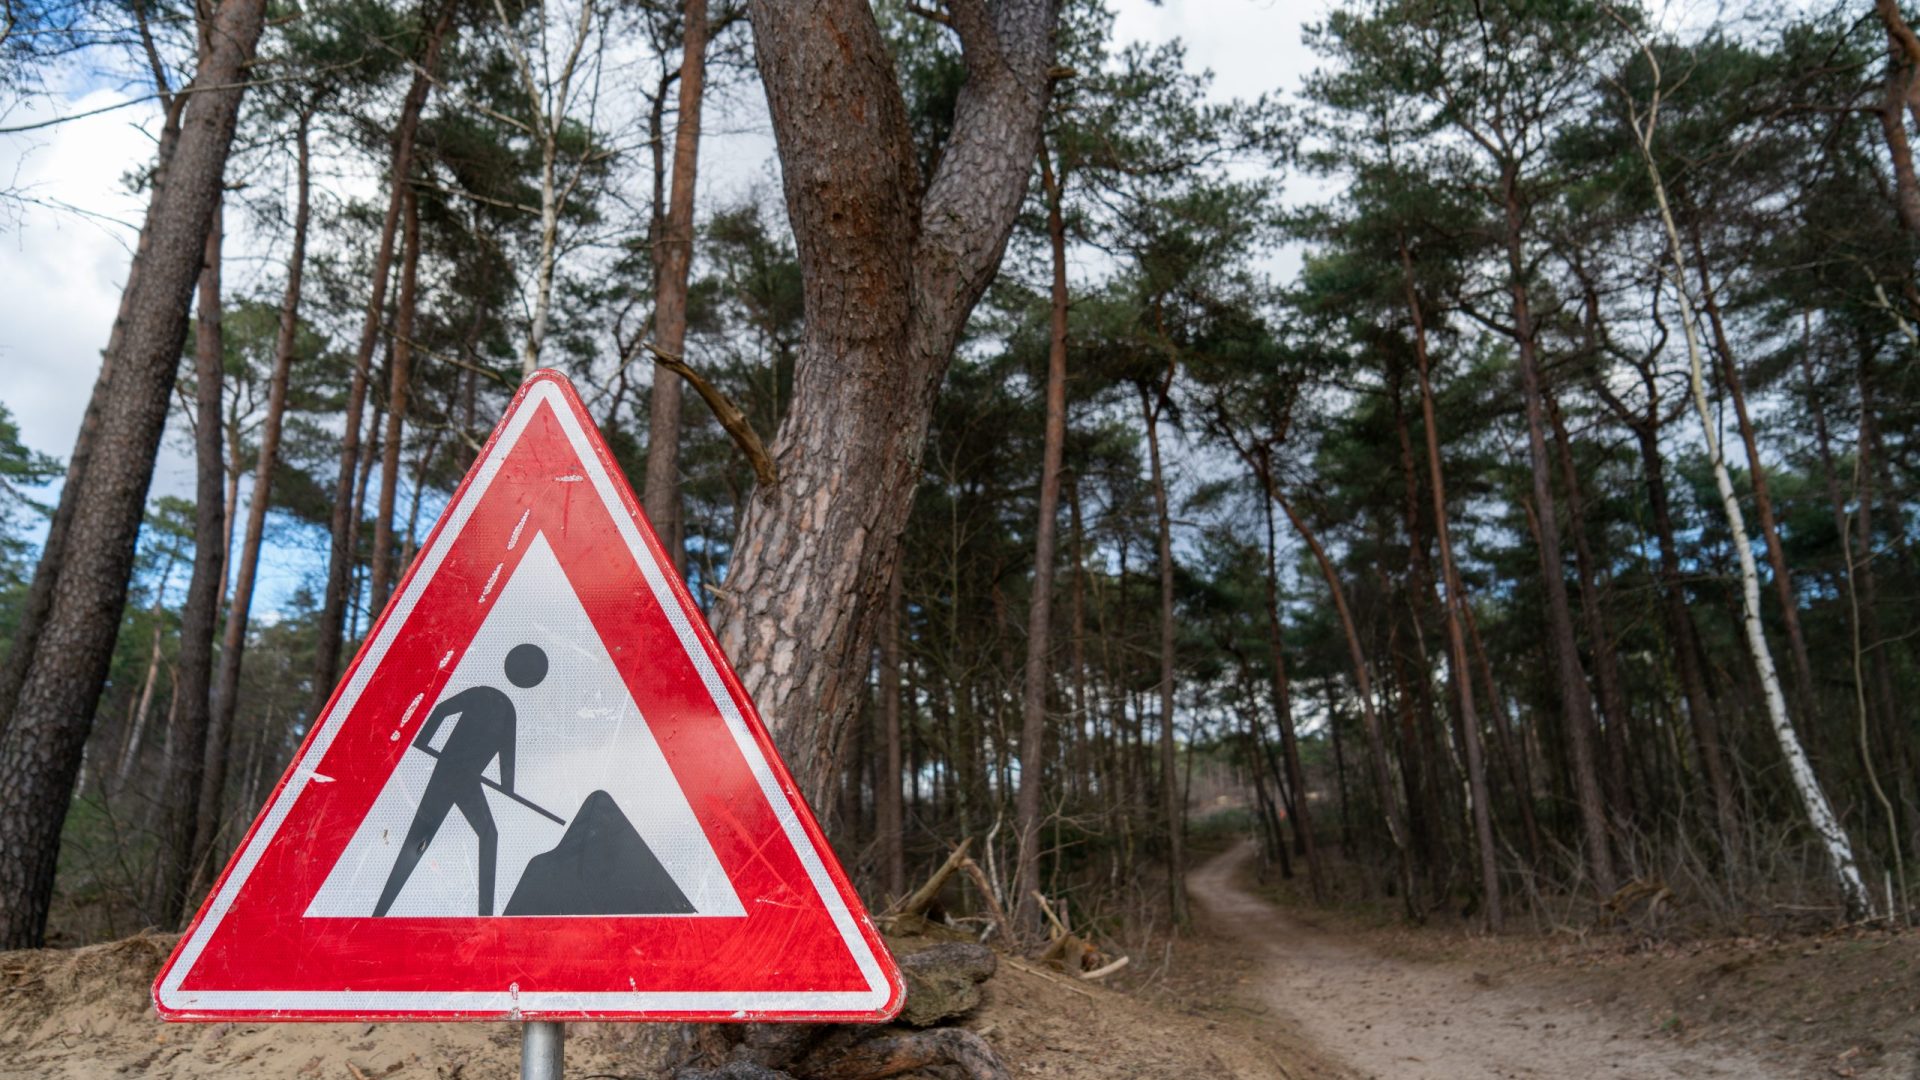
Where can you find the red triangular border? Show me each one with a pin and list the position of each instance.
(804, 950)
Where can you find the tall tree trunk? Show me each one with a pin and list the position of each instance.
(185, 778)
(1455, 603)
(1283, 709)
(1606, 669)
(891, 268)
(1757, 471)
(1430, 785)
(1363, 687)
(399, 382)
(46, 573)
(889, 820)
(345, 524)
(226, 695)
(1033, 696)
(53, 712)
(1172, 807)
(673, 263)
(1575, 703)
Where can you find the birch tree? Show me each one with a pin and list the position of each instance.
(1813, 800)
(568, 78)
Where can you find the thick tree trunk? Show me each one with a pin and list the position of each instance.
(673, 263)
(399, 382)
(1575, 702)
(46, 574)
(53, 713)
(1455, 603)
(345, 524)
(891, 270)
(1033, 697)
(199, 619)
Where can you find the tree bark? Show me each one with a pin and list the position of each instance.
(1033, 697)
(345, 524)
(53, 713)
(1575, 702)
(186, 773)
(233, 644)
(673, 264)
(399, 382)
(39, 599)
(890, 270)
(1902, 92)
(1454, 607)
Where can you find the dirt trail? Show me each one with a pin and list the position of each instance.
(1408, 1020)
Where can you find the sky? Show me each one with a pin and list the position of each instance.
(69, 222)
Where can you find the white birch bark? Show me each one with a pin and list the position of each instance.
(548, 103)
(1833, 837)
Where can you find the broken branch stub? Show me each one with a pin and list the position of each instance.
(724, 410)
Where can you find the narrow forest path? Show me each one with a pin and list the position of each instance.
(1414, 1020)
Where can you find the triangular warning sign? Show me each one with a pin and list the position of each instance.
(540, 792)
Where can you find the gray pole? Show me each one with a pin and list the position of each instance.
(542, 1045)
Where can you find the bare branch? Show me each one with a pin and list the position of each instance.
(731, 418)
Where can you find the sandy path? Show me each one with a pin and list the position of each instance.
(1407, 1020)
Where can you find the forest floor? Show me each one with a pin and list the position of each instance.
(1260, 991)
(1412, 1004)
(85, 1013)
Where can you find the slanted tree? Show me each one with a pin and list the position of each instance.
(53, 709)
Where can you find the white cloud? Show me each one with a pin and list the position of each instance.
(66, 240)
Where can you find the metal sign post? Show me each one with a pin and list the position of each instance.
(542, 1047)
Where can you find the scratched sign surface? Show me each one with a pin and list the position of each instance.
(540, 792)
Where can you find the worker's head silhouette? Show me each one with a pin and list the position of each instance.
(526, 666)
